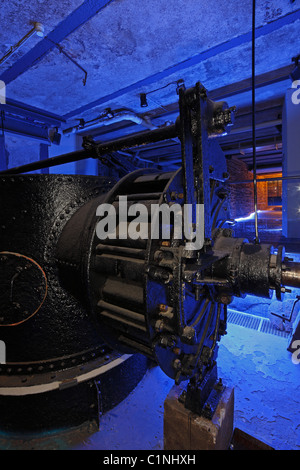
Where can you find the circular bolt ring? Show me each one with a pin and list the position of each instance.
(45, 280)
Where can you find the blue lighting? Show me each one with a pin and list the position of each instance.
(249, 217)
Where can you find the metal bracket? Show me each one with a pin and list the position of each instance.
(202, 397)
(212, 402)
(61, 49)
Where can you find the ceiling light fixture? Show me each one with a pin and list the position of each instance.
(143, 96)
(143, 100)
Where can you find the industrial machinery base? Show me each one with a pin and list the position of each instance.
(186, 430)
(202, 418)
(81, 271)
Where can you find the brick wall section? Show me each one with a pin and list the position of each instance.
(262, 190)
(241, 195)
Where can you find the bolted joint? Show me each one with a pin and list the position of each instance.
(188, 334)
(167, 341)
(177, 364)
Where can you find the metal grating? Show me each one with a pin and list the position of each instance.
(242, 319)
(255, 323)
(267, 327)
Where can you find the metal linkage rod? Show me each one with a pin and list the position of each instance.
(253, 121)
(49, 162)
(98, 149)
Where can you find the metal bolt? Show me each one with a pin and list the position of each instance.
(162, 307)
(177, 364)
(159, 325)
(176, 351)
(285, 290)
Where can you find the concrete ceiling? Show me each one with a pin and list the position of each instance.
(128, 47)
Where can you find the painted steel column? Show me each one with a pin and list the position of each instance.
(3, 154)
(44, 154)
(291, 164)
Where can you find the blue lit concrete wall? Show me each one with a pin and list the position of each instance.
(20, 150)
(70, 143)
(291, 167)
(17, 150)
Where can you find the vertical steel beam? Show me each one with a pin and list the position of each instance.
(3, 154)
(44, 155)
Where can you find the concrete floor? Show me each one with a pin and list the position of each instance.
(267, 399)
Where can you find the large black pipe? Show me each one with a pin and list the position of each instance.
(98, 149)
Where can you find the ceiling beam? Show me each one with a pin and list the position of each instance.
(77, 18)
(26, 111)
(191, 62)
(25, 129)
(265, 79)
